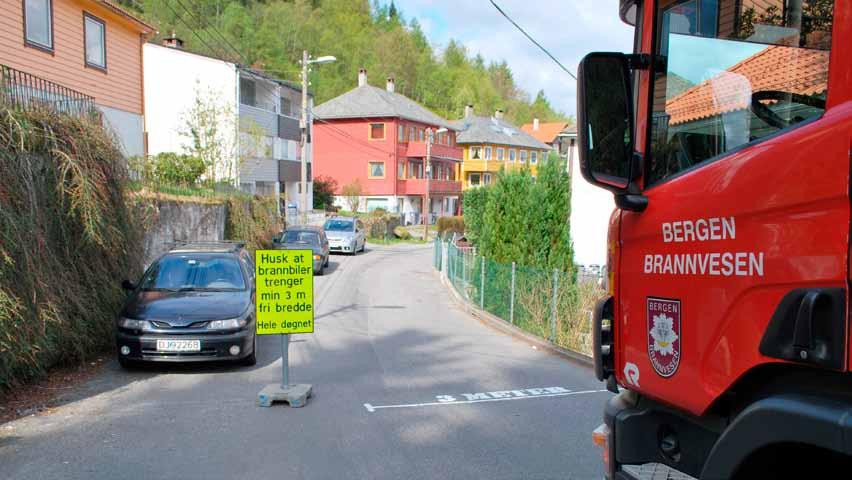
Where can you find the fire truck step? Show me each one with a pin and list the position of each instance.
(655, 471)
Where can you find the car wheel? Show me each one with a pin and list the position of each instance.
(321, 271)
(251, 360)
(125, 363)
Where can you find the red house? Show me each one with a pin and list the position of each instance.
(378, 138)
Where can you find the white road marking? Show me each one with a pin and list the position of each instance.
(372, 408)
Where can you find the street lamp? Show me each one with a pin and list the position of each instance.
(430, 138)
(303, 124)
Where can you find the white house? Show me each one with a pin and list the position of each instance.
(258, 126)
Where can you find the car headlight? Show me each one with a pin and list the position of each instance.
(229, 324)
(132, 324)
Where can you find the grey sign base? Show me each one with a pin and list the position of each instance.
(295, 395)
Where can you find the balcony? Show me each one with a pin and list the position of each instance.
(417, 186)
(418, 150)
(28, 92)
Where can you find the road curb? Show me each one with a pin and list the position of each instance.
(503, 326)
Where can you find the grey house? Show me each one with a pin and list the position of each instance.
(260, 125)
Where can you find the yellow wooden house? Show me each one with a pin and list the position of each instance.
(492, 143)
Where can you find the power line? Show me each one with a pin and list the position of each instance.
(532, 39)
(192, 30)
(355, 140)
(204, 24)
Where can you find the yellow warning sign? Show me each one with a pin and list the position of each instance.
(285, 291)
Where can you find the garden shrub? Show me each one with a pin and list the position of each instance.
(450, 225)
(67, 239)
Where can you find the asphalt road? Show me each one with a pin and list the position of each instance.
(390, 350)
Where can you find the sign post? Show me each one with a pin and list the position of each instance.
(284, 305)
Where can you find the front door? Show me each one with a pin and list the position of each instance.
(747, 180)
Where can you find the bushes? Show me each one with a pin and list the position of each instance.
(450, 225)
(524, 220)
(473, 206)
(253, 221)
(169, 168)
(67, 240)
(324, 188)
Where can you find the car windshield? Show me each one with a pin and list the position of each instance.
(194, 272)
(339, 225)
(301, 236)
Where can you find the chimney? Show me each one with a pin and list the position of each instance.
(172, 41)
(498, 114)
(535, 124)
(468, 110)
(390, 85)
(362, 77)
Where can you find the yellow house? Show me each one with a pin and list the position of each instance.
(491, 143)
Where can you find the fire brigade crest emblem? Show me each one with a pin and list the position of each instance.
(664, 334)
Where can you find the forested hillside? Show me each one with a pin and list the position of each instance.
(271, 35)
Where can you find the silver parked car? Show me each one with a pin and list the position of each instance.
(345, 234)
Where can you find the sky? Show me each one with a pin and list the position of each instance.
(569, 29)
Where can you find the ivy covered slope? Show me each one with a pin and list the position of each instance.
(271, 35)
(67, 239)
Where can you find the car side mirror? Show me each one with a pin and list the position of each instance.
(128, 285)
(605, 121)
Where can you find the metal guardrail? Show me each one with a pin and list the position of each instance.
(25, 91)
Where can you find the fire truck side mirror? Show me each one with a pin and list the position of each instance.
(605, 120)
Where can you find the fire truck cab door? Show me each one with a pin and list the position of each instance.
(747, 181)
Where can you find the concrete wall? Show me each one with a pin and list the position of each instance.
(182, 221)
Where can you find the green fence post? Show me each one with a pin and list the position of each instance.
(482, 285)
(512, 298)
(553, 307)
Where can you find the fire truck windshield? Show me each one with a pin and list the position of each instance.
(736, 71)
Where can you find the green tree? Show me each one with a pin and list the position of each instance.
(324, 188)
(473, 208)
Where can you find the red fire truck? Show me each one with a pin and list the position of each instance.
(726, 140)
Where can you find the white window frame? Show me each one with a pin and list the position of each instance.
(523, 156)
(487, 154)
(533, 157)
(474, 151)
(470, 179)
(513, 154)
(500, 154)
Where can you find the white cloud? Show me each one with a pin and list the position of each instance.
(569, 29)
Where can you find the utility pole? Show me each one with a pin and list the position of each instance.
(303, 124)
(428, 168)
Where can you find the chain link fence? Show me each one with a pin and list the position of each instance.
(546, 303)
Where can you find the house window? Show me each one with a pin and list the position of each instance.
(476, 153)
(415, 170)
(533, 156)
(400, 133)
(377, 170)
(374, 203)
(488, 153)
(94, 39)
(247, 92)
(377, 131)
(286, 106)
(400, 170)
(523, 156)
(486, 179)
(474, 179)
(421, 134)
(411, 134)
(512, 154)
(500, 154)
(38, 23)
